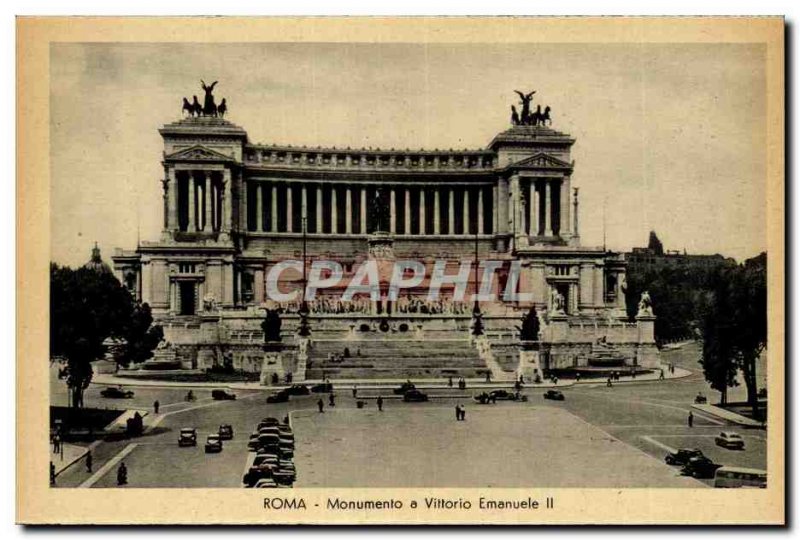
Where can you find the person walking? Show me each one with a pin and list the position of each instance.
(331, 400)
(450, 382)
(578, 377)
(458, 412)
(155, 406)
(89, 461)
(463, 413)
(380, 403)
(661, 374)
(122, 474)
(690, 419)
(608, 382)
(321, 405)
(355, 391)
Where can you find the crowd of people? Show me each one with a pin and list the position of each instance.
(329, 305)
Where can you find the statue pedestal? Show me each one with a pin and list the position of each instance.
(272, 364)
(529, 366)
(381, 252)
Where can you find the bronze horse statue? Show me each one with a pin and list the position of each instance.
(187, 107)
(198, 109)
(222, 108)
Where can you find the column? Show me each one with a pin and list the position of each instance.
(534, 198)
(465, 212)
(502, 206)
(274, 210)
(422, 211)
(319, 208)
(451, 212)
(192, 226)
(334, 212)
(407, 213)
(563, 207)
(548, 227)
(259, 206)
(363, 210)
(392, 211)
(243, 204)
(206, 201)
(437, 227)
(172, 200)
(303, 206)
(514, 204)
(348, 208)
(226, 217)
(480, 210)
(289, 206)
(495, 209)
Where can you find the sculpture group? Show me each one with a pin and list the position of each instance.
(209, 106)
(526, 118)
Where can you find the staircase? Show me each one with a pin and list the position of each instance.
(394, 359)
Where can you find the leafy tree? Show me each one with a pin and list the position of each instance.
(140, 336)
(655, 244)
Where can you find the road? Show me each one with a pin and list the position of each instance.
(648, 416)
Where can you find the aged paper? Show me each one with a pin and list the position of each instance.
(397, 271)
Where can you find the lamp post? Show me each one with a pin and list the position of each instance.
(304, 330)
(477, 317)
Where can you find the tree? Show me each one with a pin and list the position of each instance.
(655, 244)
(141, 337)
(735, 327)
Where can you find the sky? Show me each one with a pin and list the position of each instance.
(669, 137)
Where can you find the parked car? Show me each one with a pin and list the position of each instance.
(254, 475)
(415, 396)
(554, 394)
(734, 477)
(252, 444)
(298, 390)
(700, 398)
(187, 437)
(226, 432)
(730, 439)
(700, 467)
(269, 421)
(501, 394)
(266, 483)
(279, 397)
(682, 456)
(213, 444)
(322, 388)
(221, 395)
(403, 388)
(116, 393)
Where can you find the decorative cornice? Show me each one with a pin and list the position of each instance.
(198, 153)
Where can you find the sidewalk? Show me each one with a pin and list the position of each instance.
(729, 416)
(72, 453)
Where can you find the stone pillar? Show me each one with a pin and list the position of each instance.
(514, 203)
(258, 286)
(392, 211)
(437, 227)
(243, 205)
(259, 207)
(533, 217)
(465, 212)
(207, 202)
(565, 221)
(274, 210)
(363, 210)
(348, 209)
(226, 215)
(407, 212)
(480, 210)
(303, 206)
(451, 212)
(319, 208)
(502, 206)
(192, 226)
(334, 211)
(422, 211)
(495, 209)
(172, 200)
(548, 228)
(289, 216)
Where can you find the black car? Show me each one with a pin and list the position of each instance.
(279, 397)
(298, 390)
(554, 394)
(322, 388)
(414, 396)
(682, 456)
(501, 394)
(700, 467)
(226, 432)
(116, 393)
(403, 388)
(220, 395)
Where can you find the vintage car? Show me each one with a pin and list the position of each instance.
(682, 456)
(403, 388)
(700, 399)
(554, 395)
(213, 444)
(266, 483)
(322, 388)
(700, 467)
(268, 440)
(498, 395)
(254, 474)
(187, 437)
(415, 396)
(279, 397)
(284, 478)
(221, 395)
(298, 390)
(730, 439)
(252, 443)
(116, 393)
(226, 432)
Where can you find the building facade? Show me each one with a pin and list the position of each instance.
(232, 209)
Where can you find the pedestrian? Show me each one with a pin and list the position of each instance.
(450, 382)
(380, 403)
(488, 376)
(691, 419)
(155, 406)
(458, 412)
(578, 377)
(57, 443)
(521, 379)
(463, 413)
(355, 391)
(122, 474)
(608, 382)
(321, 405)
(661, 374)
(517, 386)
(346, 352)
(89, 461)
(52, 474)
(331, 402)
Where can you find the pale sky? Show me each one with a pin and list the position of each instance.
(669, 137)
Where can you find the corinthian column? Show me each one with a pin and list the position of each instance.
(422, 211)
(451, 212)
(392, 211)
(319, 208)
(437, 226)
(465, 212)
(407, 212)
(289, 207)
(480, 210)
(259, 193)
(548, 227)
(334, 211)
(192, 226)
(274, 209)
(533, 219)
(348, 211)
(363, 210)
